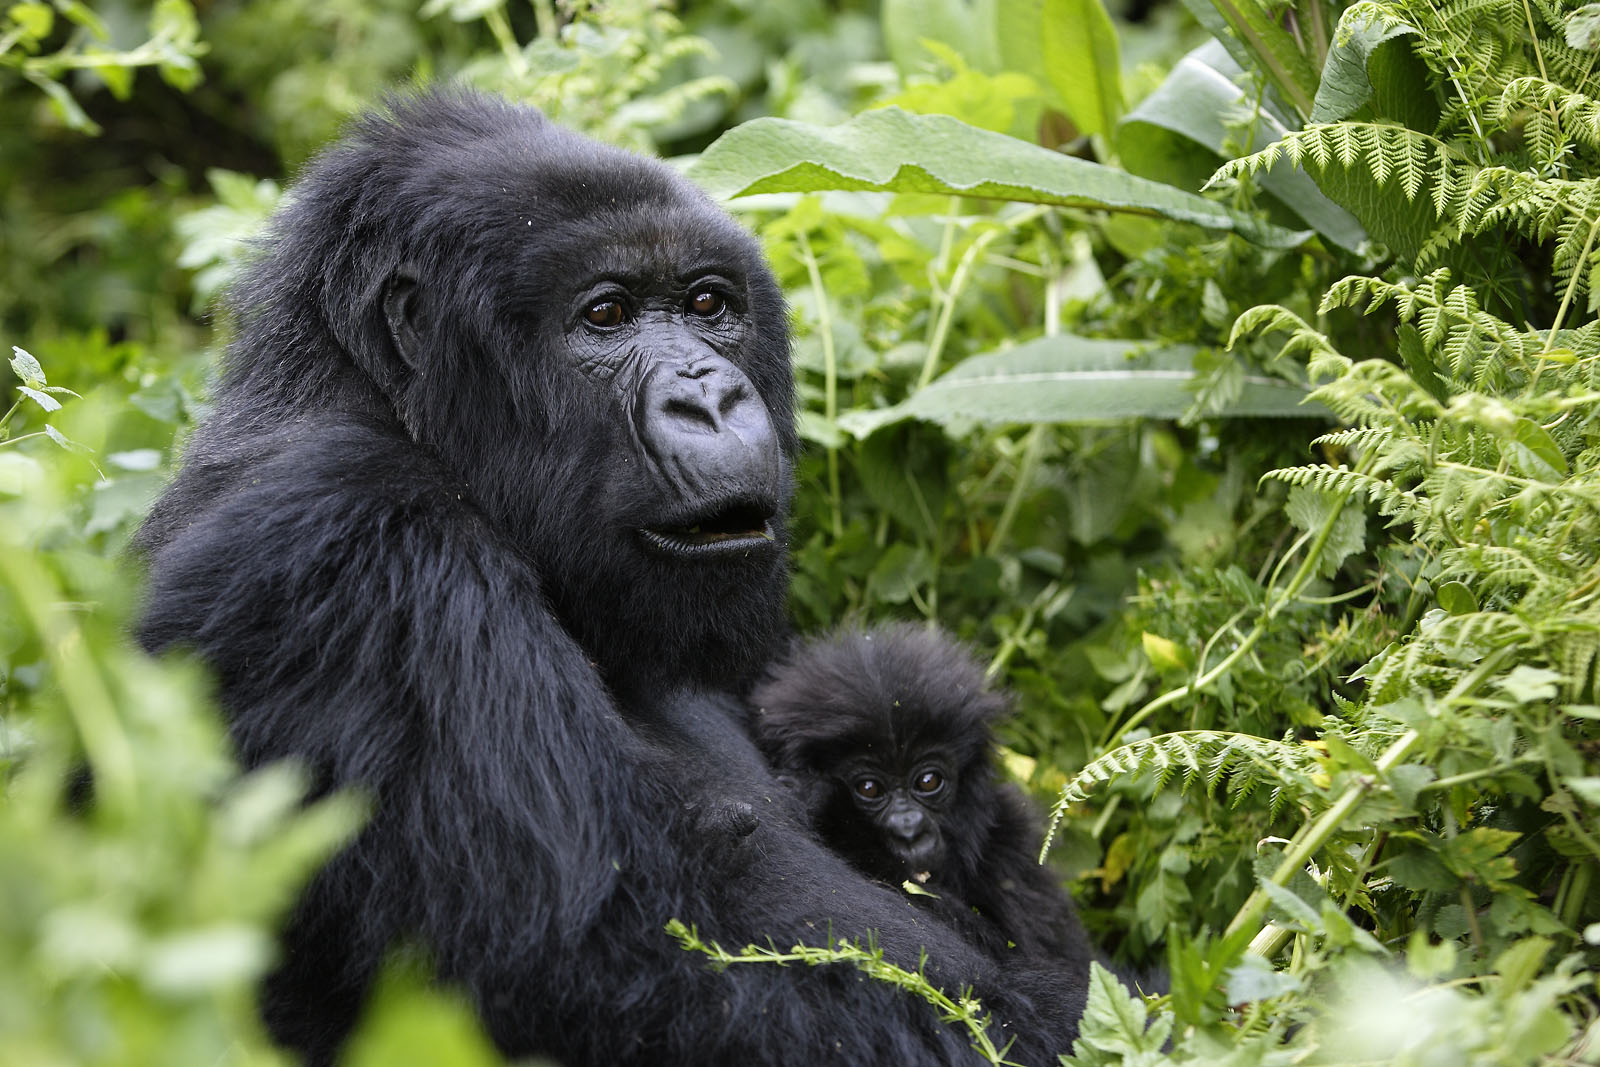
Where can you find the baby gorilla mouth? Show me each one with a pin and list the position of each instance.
(733, 528)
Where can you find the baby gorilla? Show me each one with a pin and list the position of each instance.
(886, 735)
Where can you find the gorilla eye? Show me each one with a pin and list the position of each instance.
(707, 305)
(928, 782)
(605, 314)
(869, 789)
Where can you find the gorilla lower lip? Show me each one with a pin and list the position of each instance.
(734, 529)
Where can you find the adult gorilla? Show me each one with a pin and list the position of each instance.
(489, 520)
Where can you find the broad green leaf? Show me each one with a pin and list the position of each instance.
(900, 571)
(1346, 82)
(966, 26)
(1116, 1021)
(1535, 453)
(1075, 380)
(1583, 28)
(1586, 788)
(1530, 685)
(1165, 654)
(1081, 60)
(33, 20)
(889, 150)
(1181, 133)
(1457, 599)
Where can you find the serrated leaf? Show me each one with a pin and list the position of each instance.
(1530, 685)
(1310, 509)
(44, 400)
(890, 150)
(1115, 1021)
(27, 368)
(66, 442)
(1253, 979)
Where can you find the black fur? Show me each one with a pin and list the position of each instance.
(886, 705)
(408, 541)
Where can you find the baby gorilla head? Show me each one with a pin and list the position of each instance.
(886, 734)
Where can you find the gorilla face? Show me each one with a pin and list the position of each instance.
(628, 387)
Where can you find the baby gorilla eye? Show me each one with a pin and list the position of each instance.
(928, 782)
(604, 314)
(707, 305)
(869, 789)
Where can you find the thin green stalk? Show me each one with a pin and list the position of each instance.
(82, 686)
(1014, 640)
(1032, 445)
(958, 283)
(544, 17)
(830, 379)
(1275, 70)
(500, 26)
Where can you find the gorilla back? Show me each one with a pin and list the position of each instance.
(489, 518)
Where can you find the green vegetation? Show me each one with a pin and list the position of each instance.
(1278, 504)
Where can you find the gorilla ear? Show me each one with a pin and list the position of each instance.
(400, 299)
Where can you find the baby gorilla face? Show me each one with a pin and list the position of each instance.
(903, 807)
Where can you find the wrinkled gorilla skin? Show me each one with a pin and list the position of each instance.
(458, 533)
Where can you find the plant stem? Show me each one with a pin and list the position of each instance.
(1032, 445)
(830, 379)
(1314, 835)
(1303, 575)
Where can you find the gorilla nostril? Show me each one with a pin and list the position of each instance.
(732, 399)
(690, 409)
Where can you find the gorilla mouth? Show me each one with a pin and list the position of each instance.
(732, 529)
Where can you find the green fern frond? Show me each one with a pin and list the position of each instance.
(1388, 150)
(1322, 360)
(1237, 763)
(1356, 439)
(1390, 498)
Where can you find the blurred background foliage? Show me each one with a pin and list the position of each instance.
(1312, 681)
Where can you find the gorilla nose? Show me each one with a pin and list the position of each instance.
(708, 396)
(906, 825)
(706, 428)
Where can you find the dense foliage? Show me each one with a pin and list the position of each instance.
(1277, 505)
